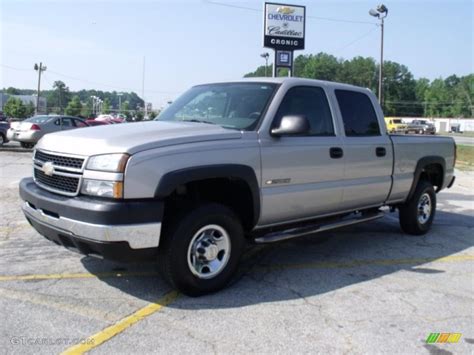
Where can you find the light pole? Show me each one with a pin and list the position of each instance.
(39, 68)
(380, 12)
(265, 56)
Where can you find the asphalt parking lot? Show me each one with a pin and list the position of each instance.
(363, 289)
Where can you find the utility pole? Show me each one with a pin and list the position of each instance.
(380, 12)
(265, 56)
(381, 62)
(143, 89)
(39, 69)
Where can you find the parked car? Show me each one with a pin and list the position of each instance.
(263, 160)
(421, 127)
(31, 130)
(4, 126)
(96, 123)
(109, 119)
(395, 125)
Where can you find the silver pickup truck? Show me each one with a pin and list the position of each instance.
(260, 160)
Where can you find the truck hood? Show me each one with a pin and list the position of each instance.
(132, 137)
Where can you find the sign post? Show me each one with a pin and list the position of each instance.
(283, 31)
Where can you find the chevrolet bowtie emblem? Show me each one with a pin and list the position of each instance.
(48, 168)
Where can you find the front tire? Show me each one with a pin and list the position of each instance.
(416, 215)
(200, 251)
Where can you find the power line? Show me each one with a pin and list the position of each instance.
(356, 40)
(14, 68)
(308, 16)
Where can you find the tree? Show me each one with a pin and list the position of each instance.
(12, 91)
(63, 95)
(106, 106)
(139, 116)
(436, 97)
(74, 107)
(87, 108)
(15, 108)
(125, 109)
(30, 109)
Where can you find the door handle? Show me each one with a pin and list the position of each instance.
(336, 152)
(380, 151)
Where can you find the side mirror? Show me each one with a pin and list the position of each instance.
(292, 126)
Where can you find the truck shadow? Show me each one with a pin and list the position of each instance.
(314, 265)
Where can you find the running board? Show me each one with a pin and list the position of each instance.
(314, 228)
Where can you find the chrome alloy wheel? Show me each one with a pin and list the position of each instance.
(209, 251)
(424, 208)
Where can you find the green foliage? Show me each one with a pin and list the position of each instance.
(12, 91)
(14, 107)
(152, 115)
(63, 95)
(30, 109)
(106, 106)
(403, 95)
(139, 116)
(74, 107)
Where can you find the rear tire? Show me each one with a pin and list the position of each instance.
(200, 251)
(416, 215)
(2, 140)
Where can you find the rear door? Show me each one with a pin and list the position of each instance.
(301, 178)
(67, 123)
(367, 149)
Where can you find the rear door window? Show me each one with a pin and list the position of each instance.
(358, 114)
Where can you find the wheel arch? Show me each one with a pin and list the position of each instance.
(233, 173)
(431, 167)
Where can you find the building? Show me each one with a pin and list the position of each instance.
(26, 99)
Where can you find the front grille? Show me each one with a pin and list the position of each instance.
(58, 160)
(59, 183)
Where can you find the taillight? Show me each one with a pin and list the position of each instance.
(455, 153)
(35, 127)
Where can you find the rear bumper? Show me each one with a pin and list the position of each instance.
(119, 230)
(26, 136)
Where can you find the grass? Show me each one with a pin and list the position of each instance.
(465, 134)
(465, 157)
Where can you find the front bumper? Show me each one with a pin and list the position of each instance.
(119, 230)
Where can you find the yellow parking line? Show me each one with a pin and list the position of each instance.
(84, 275)
(109, 332)
(376, 262)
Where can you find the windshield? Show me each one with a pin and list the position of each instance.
(231, 105)
(397, 121)
(38, 119)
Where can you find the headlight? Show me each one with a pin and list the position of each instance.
(102, 188)
(108, 162)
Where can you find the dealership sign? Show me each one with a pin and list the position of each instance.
(284, 26)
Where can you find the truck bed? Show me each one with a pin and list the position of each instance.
(408, 150)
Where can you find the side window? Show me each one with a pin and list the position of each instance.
(80, 124)
(312, 103)
(67, 122)
(358, 114)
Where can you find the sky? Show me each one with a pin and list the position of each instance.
(102, 44)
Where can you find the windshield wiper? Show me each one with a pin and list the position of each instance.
(199, 121)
